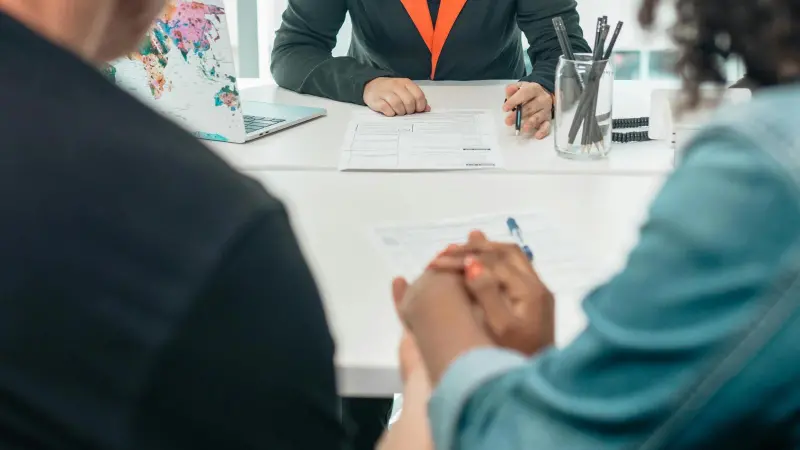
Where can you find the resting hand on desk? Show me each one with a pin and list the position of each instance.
(537, 107)
(395, 97)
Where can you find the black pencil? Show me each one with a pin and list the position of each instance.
(562, 40)
(587, 108)
(585, 113)
(594, 133)
(566, 51)
(613, 42)
(597, 31)
(592, 88)
(560, 27)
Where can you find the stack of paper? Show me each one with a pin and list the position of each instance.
(440, 140)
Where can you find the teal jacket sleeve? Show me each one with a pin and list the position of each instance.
(688, 347)
(302, 59)
(535, 19)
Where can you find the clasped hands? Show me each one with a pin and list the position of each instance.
(401, 96)
(479, 294)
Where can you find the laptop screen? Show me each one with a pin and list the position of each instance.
(184, 69)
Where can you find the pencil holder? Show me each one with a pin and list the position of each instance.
(583, 107)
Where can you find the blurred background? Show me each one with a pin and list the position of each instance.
(639, 56)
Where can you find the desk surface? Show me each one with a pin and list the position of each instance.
(333, 212)
(317, 145)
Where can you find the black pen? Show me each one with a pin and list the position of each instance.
(518, 120)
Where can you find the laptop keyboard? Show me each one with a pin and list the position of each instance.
(255, 123)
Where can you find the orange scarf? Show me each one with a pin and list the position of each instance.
(434, 37)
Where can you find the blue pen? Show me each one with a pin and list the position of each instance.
(516, 233)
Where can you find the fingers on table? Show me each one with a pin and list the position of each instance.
(543, 131)
(397, 103)
(409, 102)
(383, 107)
(403, 97)
(420, 102)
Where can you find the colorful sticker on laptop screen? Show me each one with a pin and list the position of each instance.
(184, 68)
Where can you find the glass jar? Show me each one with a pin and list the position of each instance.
(583, 107)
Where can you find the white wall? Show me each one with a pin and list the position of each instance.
(232, 10)
(632, 37)
(267, 14)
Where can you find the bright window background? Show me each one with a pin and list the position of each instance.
(639, 55)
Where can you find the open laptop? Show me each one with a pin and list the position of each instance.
(184, 69)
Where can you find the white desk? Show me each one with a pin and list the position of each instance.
(332, 213)
(317, 145)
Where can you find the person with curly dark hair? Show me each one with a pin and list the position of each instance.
(764, 34)
(694, 344)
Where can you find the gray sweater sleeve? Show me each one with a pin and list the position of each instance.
(535, 19)
(302, 59)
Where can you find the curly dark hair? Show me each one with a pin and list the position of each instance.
(765, 34)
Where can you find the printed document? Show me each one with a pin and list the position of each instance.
(559, 263)
(456, 139)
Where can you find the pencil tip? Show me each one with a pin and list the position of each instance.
(516, 133)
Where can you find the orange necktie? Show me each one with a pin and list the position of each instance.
(434, 37)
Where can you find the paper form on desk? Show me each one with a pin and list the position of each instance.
(559, 262)
(456, 139)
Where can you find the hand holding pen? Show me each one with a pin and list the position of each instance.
(529, 108)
